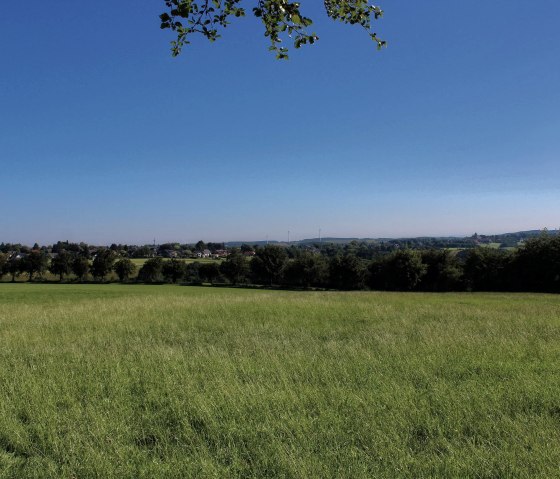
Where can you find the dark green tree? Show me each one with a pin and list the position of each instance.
(346, 272)
(143, 252)
(80, 267)
(84, 250)
(103, 264)
(173, 270)
(34, 263)
(14, 267)
(537, 264)
(281, 19)
(61, 265)
(209, 272)
(235, 268)
(151, 270)
(401, 270)
(246, 248)
(443, 272)
(3, 264)
(488, 269)
(267, 266)
(191, 275)
(124, 268)
(307, 270)
(215, 246)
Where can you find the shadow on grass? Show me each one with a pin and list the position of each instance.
(273, 287)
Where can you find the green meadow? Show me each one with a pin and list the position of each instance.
(117, 381)
(139, 262)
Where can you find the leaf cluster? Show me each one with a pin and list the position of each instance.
(280, 18)
(186, 17)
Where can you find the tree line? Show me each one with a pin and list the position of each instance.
(535, 266)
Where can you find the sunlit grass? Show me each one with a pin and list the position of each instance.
(166, 381)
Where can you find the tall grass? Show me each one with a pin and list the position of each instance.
(114, 381)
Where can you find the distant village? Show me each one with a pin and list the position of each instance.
(365, 248)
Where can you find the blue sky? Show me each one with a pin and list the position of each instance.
(104, 137)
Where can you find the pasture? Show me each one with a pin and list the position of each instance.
(139, 262)
(117, 381)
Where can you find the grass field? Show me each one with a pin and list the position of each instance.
(116, 381)
(139, 262)
(492, 245)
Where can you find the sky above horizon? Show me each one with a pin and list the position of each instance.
(104, 137)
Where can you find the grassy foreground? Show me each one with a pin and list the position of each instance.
(113, 381)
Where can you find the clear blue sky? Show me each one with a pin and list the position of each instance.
(104, 137)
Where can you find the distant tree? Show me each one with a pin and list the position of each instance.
(143, 252)
(102, 264)
(330, 250)
(235, 268)
(200, 246)
(215, 246)
(346, 272)
(151, 270)
(537, 264)
(405, 269)
(267, 266)
(59, 246)
(3, 264)
(307, 270)
(401, 270)
(124, 268)
(84, 251)
(192, 275)
(14, 267)
(488, 269)
(72, 248)
(209, 272)
(61, 265)
(443, 272)
(173, 270)
(80, 267)
(293, 251)
(34, 263)
(166, 248)
(246, 248)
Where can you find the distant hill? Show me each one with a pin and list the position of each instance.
(507, 239)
